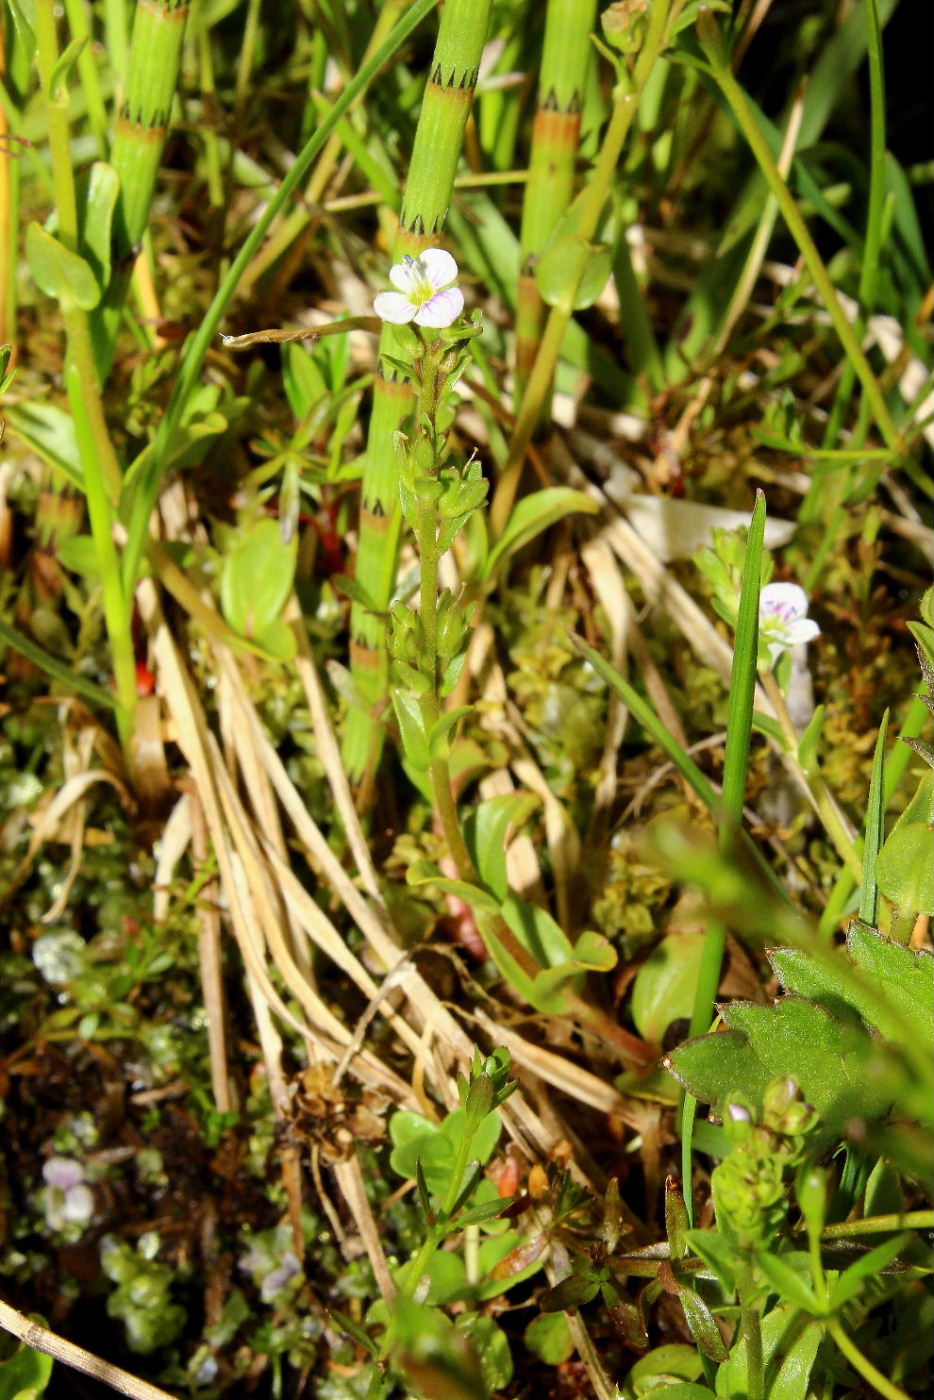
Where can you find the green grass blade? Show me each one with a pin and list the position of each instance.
(74, 682)
(873, 833)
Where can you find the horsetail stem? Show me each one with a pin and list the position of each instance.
(555, 135)
(139, 138)
(438, 140)
(625, 103)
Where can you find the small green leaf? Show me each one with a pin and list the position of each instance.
(412, 730)
(439, 740)
(571, 269)
(485, 830)
(701, 1322)
(492, 1347)
(100, 200)
(809, 743)
(793, 1285)
(872, 1263)
(25, 1374)
(256, 578)
(905, 865)
(302, 380)
(788, 1351)
(531, 516)
(25, 32)
(548, 1337)
(717, 1253)
(711, 1067)
(80, 555)
(663, 990)
(58, 82)
(425, 872)
(903, 976)
(277, 640)
(58, 272)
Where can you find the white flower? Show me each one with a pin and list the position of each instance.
(783, 619)
(426, 294)
(65, 1198)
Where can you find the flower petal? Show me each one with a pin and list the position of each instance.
(62, 1172)
(801, 629)
(394, 307)
(784, 600)
(443, 308)
(438, 266)
(403, 276)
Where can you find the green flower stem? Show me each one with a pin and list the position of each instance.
(435, 154)
(862, 1364)
(833, 820)
(101, 470)
(439, 1226)
(625, 103)
(736, 99)
(880, 1225)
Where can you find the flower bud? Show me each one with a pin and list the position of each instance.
(624, 24)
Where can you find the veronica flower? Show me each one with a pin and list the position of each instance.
(783, 619)
(426, 291)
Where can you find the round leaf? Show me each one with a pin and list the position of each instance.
(573, 267)
(58, 272)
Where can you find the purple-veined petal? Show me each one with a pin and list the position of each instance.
(63, 1172)
(403, 276)
(438, 266)
(784, 600)
(394, 307)
(443, 309)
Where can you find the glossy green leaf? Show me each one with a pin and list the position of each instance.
(702, 1326)
(789, 1347)
(100, 200)
(485, 831)
(59, 272)
(711, 1067)
(25, 1375)
(412, 729)
(905, 977)
(663, 990)
(256, 578)
(872, 1263)
(845, 1075)
(572, 269)
(905, 865)
(548, 1337)
(50, 432)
